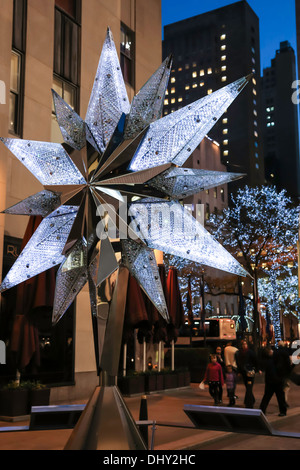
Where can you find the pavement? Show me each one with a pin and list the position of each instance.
(167, 407)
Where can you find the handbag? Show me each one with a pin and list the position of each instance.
(250, 373)
(202, 385)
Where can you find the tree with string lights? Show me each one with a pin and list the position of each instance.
(260, 228)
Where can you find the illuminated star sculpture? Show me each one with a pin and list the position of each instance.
(119, 152)
(119, 168)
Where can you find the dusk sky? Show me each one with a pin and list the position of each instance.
(277, 20)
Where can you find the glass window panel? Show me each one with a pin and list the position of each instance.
(15, 72)
(69, 95)
(13, 112)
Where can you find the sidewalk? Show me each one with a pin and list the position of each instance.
(167, 406)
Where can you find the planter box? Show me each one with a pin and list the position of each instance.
(14, 403)
(39, 397)
(187, 378)
(159, 382)
(132, 385)
(181, 379)
(170, 381)
(150, 383)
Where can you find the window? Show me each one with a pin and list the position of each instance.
(225, 131)
(180, 99)
(201, 83)
(225, 120)
(225, 153)
(173, 100)
(173, 79)
(69, 94)
(67, 40)
(209, 92)
(71, 7)
(207, 211)
(202, 72)
(194, 85)
(127, 55)
(225, 142)
(194, 74)
(223, 47)
(166, 102)
(223, 68)
(209, 71)
(187, 87)
(223, 37)
(224, 78)
(223, 58)
(16, 96)
(173, 90)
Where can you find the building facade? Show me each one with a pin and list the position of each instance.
(210, 51)
(280, 122)
(56, 44)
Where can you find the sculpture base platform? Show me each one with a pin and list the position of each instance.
(106, 424)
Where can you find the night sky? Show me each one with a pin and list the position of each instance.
(277, 20)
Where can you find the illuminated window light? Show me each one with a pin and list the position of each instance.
(194, 64)
(254, 112)
(253, 81)
(255, 134)
(167, 92)
(187, 87)
(187, 66)
(173, 90)
(224, 78)
(173, 100)
(223, 47)
(194, 85)
(223, 57)
(223, 37)
(225, 131)
(179, 99)
(225, 142)
(202, 72)
(209, 70)
(225, 120)
(254, 92)
(194, 74)
(225, 153)
(180, 69)
(166, 102)
(223, 68)
(202, 84)
(173, 79)
(209, 92)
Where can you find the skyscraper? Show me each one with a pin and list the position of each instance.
(281, 139)
(212, 50)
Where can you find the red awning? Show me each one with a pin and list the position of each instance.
(37, 292)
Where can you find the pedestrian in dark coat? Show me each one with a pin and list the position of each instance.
(274, 383)
(247, 366)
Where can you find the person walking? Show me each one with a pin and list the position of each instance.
(247, 366)
(283, 366)
(214, 377)
(229, 355)
(274, 383)
(220, 360)
(230, 380)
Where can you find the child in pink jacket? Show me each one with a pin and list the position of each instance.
(214, 377)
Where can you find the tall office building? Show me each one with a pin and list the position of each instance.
(57, 44)
(210, 51)
(280, 113)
